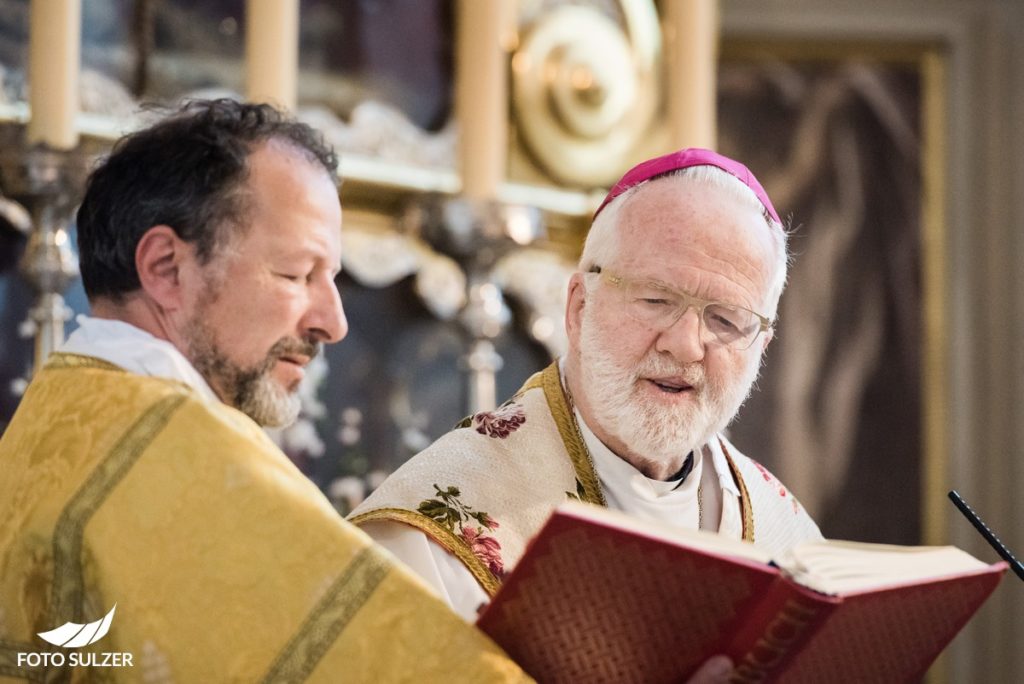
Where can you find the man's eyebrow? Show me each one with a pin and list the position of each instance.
(303, 250)
(660, 284)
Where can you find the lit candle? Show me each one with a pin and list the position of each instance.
(272, 51)
(691, 27)
(55, 34)
(481, 99)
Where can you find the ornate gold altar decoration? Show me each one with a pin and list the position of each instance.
(585, 87)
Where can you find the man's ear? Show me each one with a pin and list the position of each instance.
(159, 259)
(574, 309)
(769, 335)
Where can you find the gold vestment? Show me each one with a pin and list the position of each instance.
(226, 564)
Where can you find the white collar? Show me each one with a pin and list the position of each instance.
(611, 466)
(135, 350)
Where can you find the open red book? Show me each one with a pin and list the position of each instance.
(602, 597)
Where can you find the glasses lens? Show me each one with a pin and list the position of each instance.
(731, 325)
(660, 307)
(649, 303)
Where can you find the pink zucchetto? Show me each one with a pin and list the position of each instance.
(692, 156)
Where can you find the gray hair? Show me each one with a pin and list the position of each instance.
(602, 244)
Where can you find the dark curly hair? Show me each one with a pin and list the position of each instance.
(184, 172)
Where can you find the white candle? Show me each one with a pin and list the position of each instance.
(481, 96)
(55, 34)
(691, 28)
(272, 52)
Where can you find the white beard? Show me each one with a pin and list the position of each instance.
(623, 408)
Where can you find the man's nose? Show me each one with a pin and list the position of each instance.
(325, 319)
(683, 339)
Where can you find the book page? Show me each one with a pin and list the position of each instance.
(837, 567)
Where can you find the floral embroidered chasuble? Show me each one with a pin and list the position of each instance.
(225, 562)
(484, 489)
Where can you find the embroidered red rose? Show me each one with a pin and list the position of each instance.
(501, 422)
(487, 549)
(448, 510)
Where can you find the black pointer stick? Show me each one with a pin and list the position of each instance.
(989, 536)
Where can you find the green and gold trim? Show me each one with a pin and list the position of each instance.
(68, 591)
(440, 534)
(68, 594)
(565, 419)
(332, 614)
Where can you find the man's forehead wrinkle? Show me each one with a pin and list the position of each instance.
(714, 285)
(677, 253)
(743, 280)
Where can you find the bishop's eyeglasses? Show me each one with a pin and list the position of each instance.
(659, 307)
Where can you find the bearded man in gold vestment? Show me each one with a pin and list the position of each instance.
(135, 473)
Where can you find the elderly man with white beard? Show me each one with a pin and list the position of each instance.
(668, 318)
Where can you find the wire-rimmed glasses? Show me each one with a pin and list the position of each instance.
(659, 306)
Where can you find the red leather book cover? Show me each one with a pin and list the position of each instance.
(891, 634)
(592, 601)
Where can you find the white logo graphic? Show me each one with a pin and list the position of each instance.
(74, 635)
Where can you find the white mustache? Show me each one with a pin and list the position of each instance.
(658, 366)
